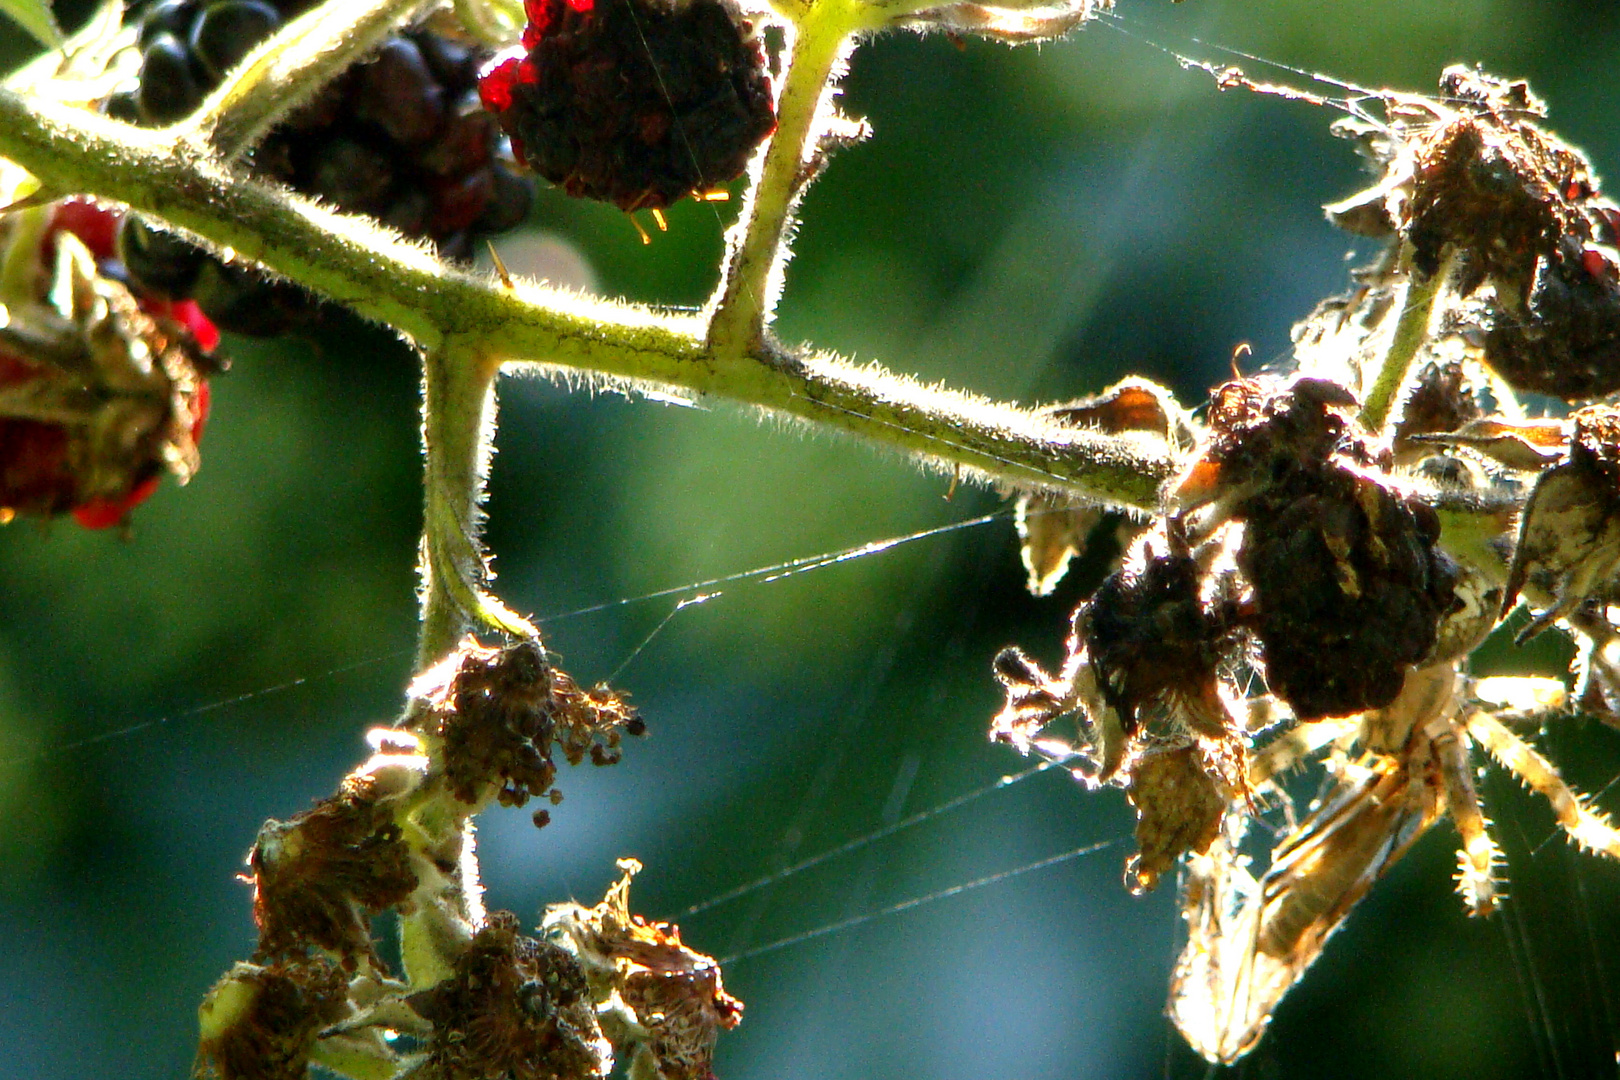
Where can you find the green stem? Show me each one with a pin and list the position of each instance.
(380, 276)
(458, 423)
(753, 279)
(1411, 333)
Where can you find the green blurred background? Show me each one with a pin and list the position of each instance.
(1030, 224)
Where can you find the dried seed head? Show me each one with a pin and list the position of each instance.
(100, 394)
(1476, 175)
(319, 878)
(260, 1023)
(1348, 586)
(1440, 402)
(516, 1008)
(662, 1001)
(500, 711)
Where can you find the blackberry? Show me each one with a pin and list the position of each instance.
(634, 102)
(400, 137)
(1349, 586)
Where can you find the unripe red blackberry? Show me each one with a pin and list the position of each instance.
(634, 102)
(401, 137)
(99, 394)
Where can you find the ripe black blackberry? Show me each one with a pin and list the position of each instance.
(634, 102)
(401, 137)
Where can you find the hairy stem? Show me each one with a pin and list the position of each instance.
(458, 423)
(1411, 332)
(382, 277)
(758, 248)
(290, 68)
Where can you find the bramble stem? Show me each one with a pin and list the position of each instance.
(380, 276)
(1411, 332)
(458, 424)
(290, 68)
(757, 252)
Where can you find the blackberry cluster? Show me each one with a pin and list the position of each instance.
(634, 102)
(1348, 584)
(401, 137)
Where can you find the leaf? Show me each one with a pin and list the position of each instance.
(36, 17)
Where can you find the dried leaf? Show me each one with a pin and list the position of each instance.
(1569, 538)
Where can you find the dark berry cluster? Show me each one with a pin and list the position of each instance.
(634, 102)
(1349, 589)
(401, 137)
(1521, 211)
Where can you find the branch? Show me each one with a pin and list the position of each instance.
(385, 278)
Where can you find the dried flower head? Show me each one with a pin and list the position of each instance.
(260, 1022)
(1476, 175)
(319, 878)
(1349, 588)
(660, 1000)
(499, 711)
(516, 1008)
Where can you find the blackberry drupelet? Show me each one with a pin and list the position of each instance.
(634, 102)
(400, 137)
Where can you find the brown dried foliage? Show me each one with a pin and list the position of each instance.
(516, 1008)
(677, 1005)
(268, 1019)
(319, 878)
(500, 711)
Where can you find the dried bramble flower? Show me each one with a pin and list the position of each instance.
(260, 1022)
(1474, 174)
(515, 1007)
(1569, 536)
(660, 1000)
(498, 712)
(319, 878)
(635, 102)
(100, 394)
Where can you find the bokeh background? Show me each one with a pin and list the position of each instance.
(1031, 224)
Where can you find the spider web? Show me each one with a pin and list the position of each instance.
(852, 959)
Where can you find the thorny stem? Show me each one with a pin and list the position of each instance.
(290, 68)
(752, 282)
(384, 278)
(1411, 332)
